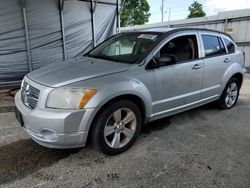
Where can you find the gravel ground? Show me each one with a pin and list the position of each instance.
(203, 147)
(7, 99)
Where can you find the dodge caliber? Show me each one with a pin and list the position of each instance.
(132, 78)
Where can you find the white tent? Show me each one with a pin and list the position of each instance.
(34, 33)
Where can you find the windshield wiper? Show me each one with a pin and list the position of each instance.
(102, 57)
(107, 58)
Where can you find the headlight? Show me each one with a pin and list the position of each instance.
(69, 98)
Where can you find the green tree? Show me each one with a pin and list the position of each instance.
(134, 13)
(196, 10)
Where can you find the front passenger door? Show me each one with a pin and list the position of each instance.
(178, 86)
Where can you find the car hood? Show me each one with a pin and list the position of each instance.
(67, 72)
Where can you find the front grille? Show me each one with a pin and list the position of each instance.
(29, 95)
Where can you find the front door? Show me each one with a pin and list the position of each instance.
(178, 86)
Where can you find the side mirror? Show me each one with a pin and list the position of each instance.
(162, 61)
(166, 60)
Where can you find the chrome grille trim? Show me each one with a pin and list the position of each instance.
(29, 95)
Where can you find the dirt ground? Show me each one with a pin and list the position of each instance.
(203, 147)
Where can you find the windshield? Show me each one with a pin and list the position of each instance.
(125, 48)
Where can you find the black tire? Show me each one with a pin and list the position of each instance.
(222, 101)
(99, 140)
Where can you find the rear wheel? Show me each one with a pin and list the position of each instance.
(116, 127)
(230, 94)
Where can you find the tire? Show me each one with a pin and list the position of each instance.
(228, 99)
(116, 127)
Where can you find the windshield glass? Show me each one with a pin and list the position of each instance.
(126, 48)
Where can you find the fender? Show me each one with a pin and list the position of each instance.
(233, 69)
(121, 87)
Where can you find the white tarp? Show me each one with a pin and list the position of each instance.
(13, 55)
(45, 34)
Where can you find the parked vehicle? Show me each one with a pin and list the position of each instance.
(128, 80)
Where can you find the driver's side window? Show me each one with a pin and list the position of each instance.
(179, 49)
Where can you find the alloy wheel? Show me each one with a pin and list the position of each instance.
(120, 128)
(231, 94)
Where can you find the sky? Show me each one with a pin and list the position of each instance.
(179, 8)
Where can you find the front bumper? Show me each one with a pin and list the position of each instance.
(55, 128)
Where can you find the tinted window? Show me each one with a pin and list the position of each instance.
(230, 46)
(182, 48)
(213, 45)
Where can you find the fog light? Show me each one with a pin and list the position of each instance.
(49, 135)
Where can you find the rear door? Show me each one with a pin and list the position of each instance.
(216, 62)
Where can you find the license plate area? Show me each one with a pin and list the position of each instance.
(19, 117)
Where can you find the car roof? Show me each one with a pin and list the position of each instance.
(168, 30)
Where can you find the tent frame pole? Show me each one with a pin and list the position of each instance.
(26, 35)
(93, 7)
(61, 7)
(118, 29)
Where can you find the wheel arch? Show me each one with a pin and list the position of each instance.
(238, 76)
(131, 97)
(235, 70)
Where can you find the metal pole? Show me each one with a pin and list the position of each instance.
(61, 6)
(169, 14)
(26, 35)
(162, 10)
(93, 22)
(225, 24)
(118, 16)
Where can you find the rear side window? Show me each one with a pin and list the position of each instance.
(230, 45)
(213, 45)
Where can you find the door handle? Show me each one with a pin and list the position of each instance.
(226, 60)
(197, 66)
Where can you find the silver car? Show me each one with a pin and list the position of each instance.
(127, 81)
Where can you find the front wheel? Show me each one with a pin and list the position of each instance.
(116, 127)
(230, 94)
